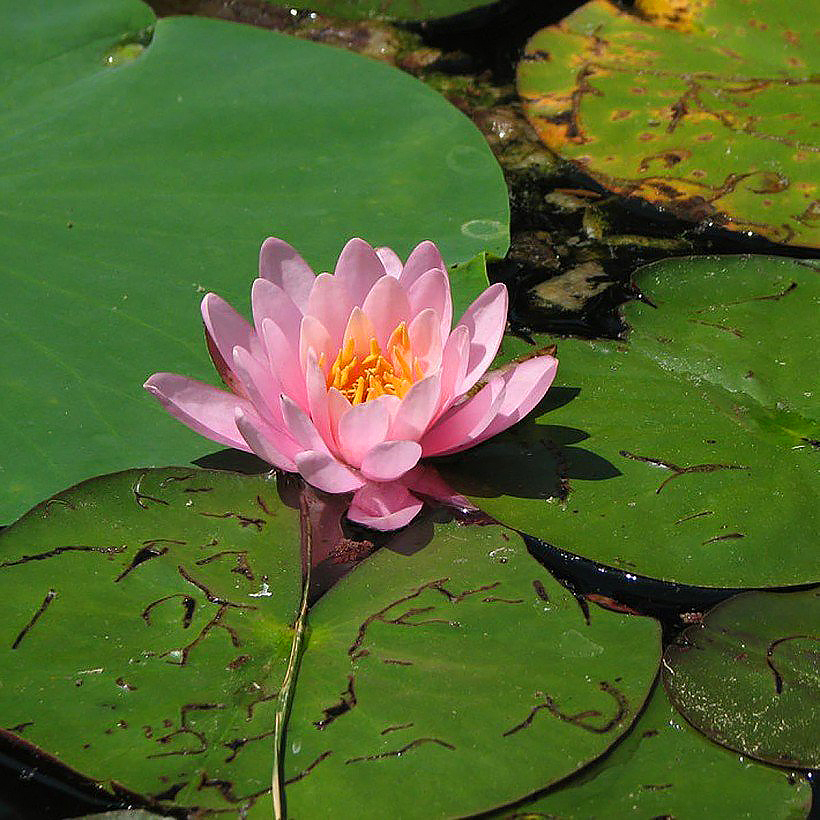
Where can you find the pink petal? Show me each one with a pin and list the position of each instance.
(313, 336)
(425, 256)
(317, 396)
(417, 409)
(485, 320)
(425, 340)
(225, 328)
(361, 330)
(329, 303)
(432, 290)
(525, 386)
(390, 460)
(301, 428)
(260, 385)
(283, 361)
(465, 421)
(323, 471)
(453, 366)
(358, 268)
(383, 506)
(426, 481)
(391, 261)
(266, 442)
(269, 301)
(361, 428)
(386, 306)
(205, 409)
(280, 263)
(337, 405)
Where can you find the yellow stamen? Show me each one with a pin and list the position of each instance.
(358, 396)
(365, 375)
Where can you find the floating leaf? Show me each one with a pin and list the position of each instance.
(713, 122)
(132, 190)
(664, 768)
(748, 676)
(447, 680)
(687, 454)
(145, 629)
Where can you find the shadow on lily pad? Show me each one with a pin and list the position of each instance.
(530, 460)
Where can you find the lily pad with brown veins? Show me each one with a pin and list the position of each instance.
(705, 109)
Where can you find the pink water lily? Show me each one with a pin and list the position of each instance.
(351, 378)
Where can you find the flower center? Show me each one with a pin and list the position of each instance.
(364, 377)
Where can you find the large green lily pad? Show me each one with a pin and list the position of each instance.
(687, 453)
(145, 626)
(129, 191)
(708, 109)
(749, 676)
(446, 680)
(664, 768)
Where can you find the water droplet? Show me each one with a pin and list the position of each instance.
(264, 592)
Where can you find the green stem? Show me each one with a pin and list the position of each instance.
(288, 683)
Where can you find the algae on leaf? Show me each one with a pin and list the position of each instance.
(707, 109)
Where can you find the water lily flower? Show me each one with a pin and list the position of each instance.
(350, 379)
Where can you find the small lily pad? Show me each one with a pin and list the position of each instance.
(446, 679)
(707, 109)
(687, 453)
(748, 676)
(145, 627)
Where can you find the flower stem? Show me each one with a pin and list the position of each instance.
(285, 698)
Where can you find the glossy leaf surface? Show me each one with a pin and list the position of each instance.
(130, 190)
(749, 676)
(447, 679)
(145, 629)
(686, 453)
(704, 107)
(665, 768)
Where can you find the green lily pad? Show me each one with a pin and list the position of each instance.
(748, 676)
(447, 680)
(145, 630)
(705, 110)
(687, 453)
(130, 190)
(664, 768)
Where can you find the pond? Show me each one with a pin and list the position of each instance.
(597, 591)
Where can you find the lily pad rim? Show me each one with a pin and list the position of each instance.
(5, 527)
